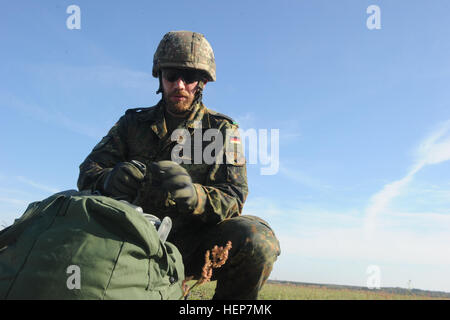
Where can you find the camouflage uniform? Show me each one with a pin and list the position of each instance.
(141, 134)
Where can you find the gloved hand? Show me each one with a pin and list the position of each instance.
(124, 180)
(177, 181)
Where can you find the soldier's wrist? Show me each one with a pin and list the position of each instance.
(201, 199)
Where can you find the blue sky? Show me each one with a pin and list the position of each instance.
(363, 115)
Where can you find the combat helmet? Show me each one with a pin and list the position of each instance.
(187, 50)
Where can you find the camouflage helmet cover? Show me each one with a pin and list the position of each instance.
(185, 49)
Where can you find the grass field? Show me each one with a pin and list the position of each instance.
(278, 291)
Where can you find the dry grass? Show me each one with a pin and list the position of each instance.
(275, 291)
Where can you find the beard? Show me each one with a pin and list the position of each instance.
(178, 107)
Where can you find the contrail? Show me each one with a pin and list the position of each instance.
(434, 149)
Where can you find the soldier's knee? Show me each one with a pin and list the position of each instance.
(259, 238)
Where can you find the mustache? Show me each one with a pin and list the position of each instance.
(178, 93)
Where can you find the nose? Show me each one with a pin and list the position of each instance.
(179, 83)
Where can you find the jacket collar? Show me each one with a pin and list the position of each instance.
(196, 117)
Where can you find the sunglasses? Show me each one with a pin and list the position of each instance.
(188, 76)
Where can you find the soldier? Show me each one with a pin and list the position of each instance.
(204, 200)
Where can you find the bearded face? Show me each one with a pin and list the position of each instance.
(178, 100)
(179, 88)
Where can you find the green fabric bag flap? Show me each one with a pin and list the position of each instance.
(74, 245)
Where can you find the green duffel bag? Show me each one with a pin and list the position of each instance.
(74, 245)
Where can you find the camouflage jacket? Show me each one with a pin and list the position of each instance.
(141, 134)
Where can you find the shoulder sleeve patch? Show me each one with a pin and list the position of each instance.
(234, 153)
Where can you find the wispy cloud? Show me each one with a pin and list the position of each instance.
(434, 149)
(307, 233)
(289, 129)
(13, 201)
(47, 116)
(400, 254)
(70, 78)
(394, 246)
(263, 207)
(301, 177)
(247, 120)
(19, 192)
(104, 75)
(37, 185)
(424, 219)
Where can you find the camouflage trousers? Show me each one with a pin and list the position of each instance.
(254, 251)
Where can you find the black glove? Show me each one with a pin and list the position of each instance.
(177, 181)
(124, 180)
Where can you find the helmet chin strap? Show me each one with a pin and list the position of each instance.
(160, 89)
(198, 93)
